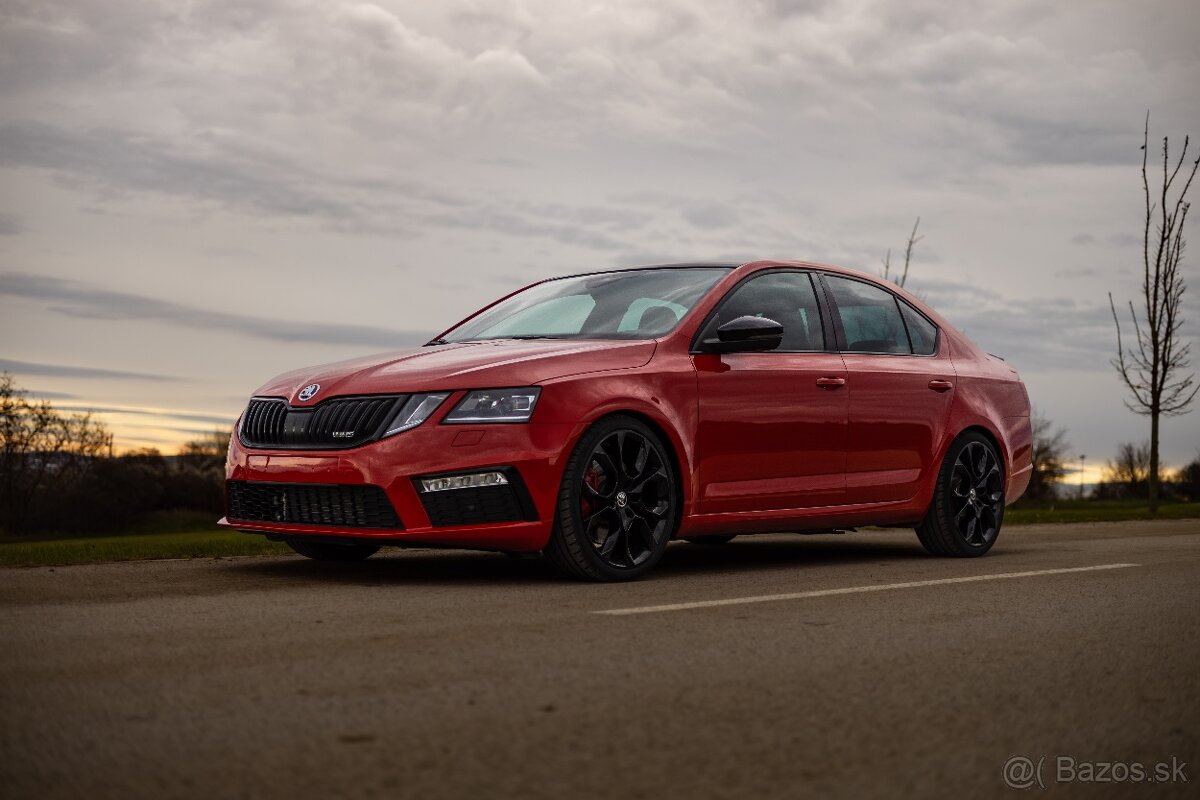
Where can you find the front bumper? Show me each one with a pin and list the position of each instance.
(532, 454)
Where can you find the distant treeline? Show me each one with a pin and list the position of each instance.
(1126, 477)
(58, 473)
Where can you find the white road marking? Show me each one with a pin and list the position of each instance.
(771, 598)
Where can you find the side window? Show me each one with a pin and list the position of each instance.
(786, 297)
(920, 330)
(870, 317)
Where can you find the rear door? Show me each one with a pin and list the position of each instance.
(900, 389)
(772, 431)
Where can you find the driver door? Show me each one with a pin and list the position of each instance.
(772, 425)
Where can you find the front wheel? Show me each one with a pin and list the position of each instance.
(967, 511)
(332, 551)
(617, 506)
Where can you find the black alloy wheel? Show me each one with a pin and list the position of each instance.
(967, 511)
(978, 491)
(617, 505)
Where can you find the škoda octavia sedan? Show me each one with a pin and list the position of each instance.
(595, 418)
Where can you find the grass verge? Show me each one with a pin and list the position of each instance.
(191, 535)
(1095, 511)
(216, 543)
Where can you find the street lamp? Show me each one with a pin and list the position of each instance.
(1082, 458)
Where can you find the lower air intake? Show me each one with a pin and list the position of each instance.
(335, 506)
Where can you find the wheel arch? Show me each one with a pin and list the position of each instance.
(978, 426)
(669, 439)
(992, 438)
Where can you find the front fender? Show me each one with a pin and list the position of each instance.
(665, 399)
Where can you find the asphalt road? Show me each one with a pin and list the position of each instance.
(431, 674)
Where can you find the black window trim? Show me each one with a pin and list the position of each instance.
(823, 308)
(842, 344)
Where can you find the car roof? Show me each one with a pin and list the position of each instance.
(729, 265)
(642, 268)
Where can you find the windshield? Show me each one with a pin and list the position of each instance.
(637, 304)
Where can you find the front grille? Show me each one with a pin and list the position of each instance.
(336, 506)
(479, 505)
(335, 424)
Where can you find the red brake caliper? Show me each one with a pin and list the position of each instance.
(592, 479)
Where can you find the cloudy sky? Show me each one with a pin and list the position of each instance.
(197, 195)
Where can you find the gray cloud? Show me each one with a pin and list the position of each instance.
(10, 225)
(1031, 333)
(486, 144)
(137, 162)
(214, 419)
(62, 371)
(710, 215)
(78, 299)
(44, 395)
(1123, 240)
(119, 160)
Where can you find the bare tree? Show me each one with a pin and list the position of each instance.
(1049, 456)
(1130, 470)
(1154, 368)
(40, 450)
(908, 251)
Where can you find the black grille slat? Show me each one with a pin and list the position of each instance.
(335, 506)
(341, 412)
(355, 416)
(320, 421)
(374, 415)
(271, 422)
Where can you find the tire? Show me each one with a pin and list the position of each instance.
(712, 540)
(332, 551)
(618, 505)
(967, 511)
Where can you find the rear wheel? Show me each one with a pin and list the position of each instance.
(617, 506)
(333, 551)
(968, 502)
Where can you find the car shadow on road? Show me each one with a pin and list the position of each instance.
(474, 568)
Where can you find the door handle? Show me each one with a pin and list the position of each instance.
(831, 383)
(941, 386)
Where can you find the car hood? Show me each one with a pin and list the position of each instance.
(468, 365)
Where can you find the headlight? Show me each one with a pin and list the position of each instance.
(495, 405)
(415, 410)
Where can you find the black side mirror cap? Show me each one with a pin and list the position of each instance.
(745, 335)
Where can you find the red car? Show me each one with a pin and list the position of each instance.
(596, 417)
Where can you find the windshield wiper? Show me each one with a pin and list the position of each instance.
(437, 341)
(526, 336)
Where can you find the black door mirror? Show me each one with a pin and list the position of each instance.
(746, 335)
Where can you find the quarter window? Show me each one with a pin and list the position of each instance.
(785, 297)
(921, 331)
(870, 317)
